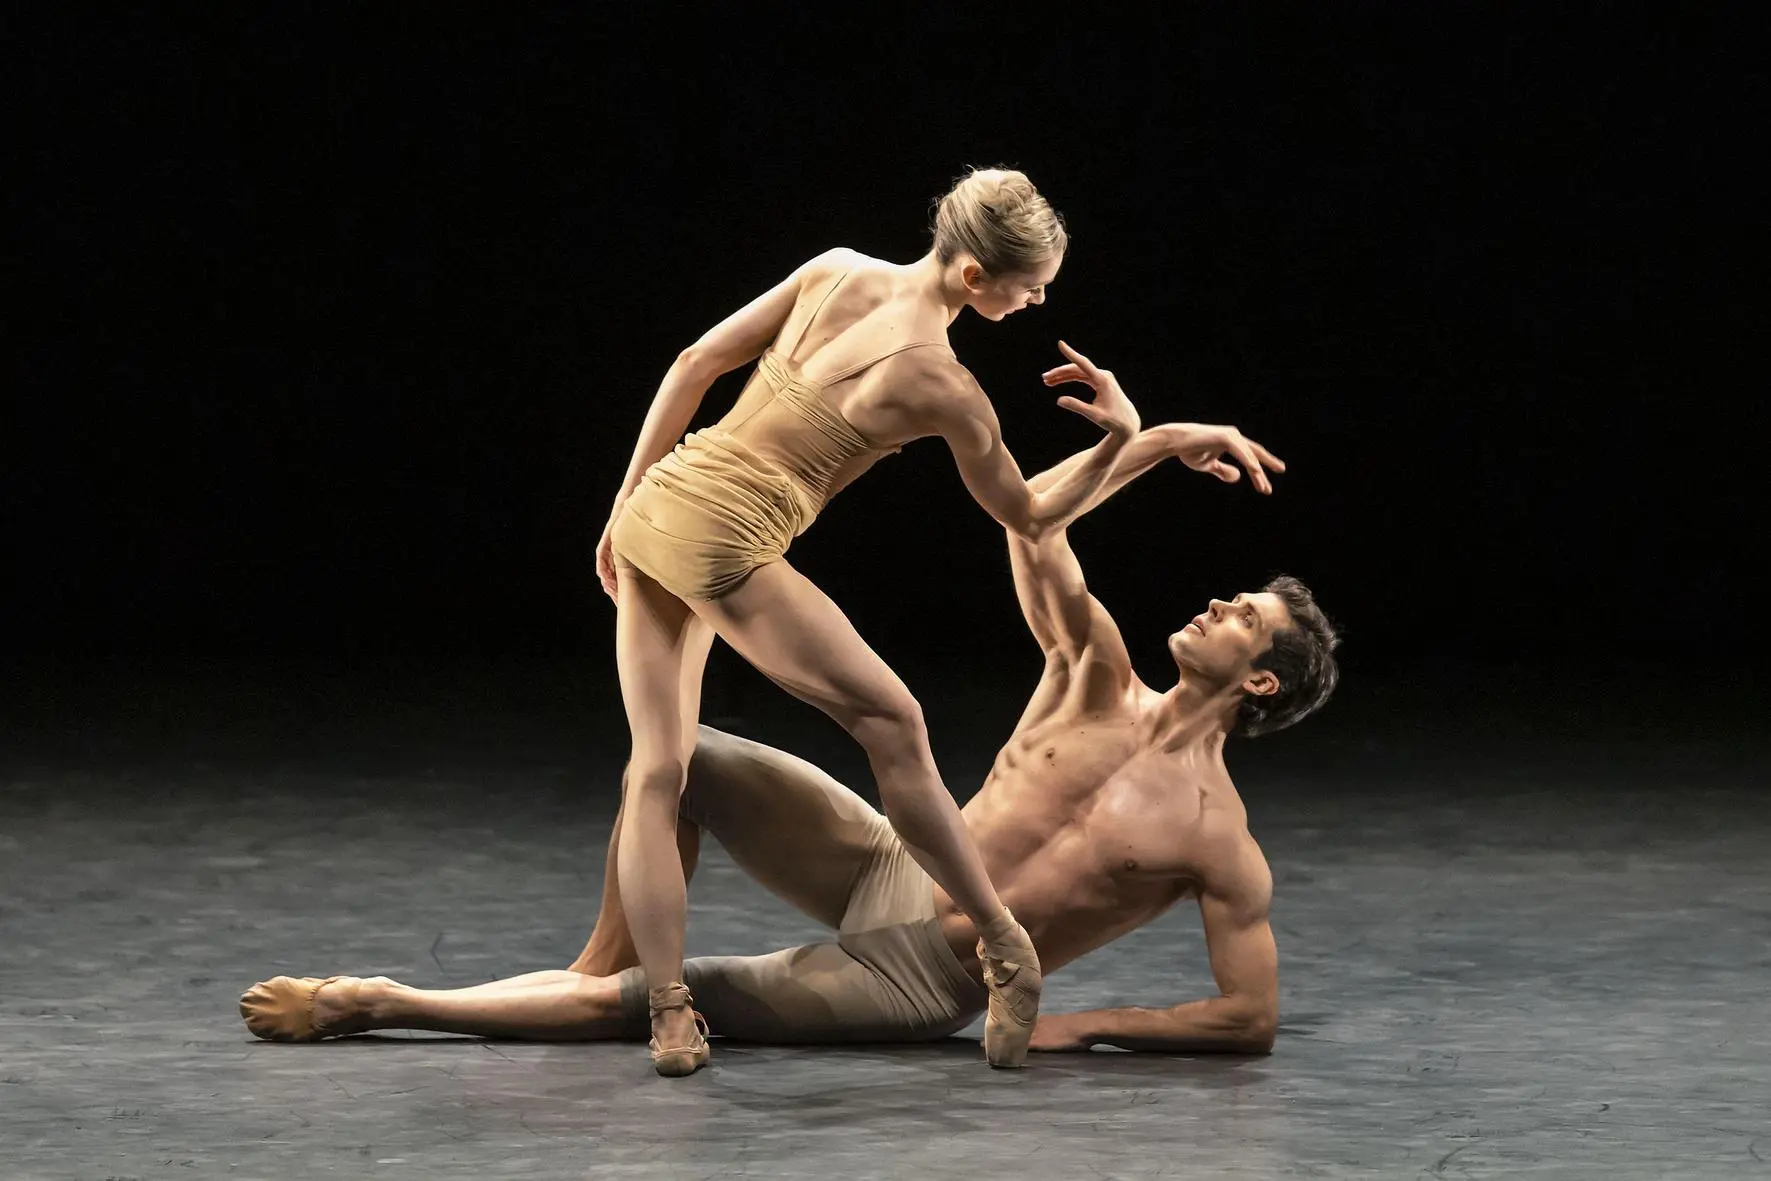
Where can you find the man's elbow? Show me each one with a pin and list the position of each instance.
(1259, 1029)
(1259, 1036)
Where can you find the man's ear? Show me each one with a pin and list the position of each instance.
(1261, 683)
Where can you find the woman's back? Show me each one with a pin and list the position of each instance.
(823, 405)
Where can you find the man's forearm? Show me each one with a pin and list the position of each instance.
(1071, 491)
(1218, 1025)
(1143, 452)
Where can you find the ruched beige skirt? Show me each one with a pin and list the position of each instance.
(707, 514)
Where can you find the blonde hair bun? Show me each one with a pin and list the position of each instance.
(998, 217)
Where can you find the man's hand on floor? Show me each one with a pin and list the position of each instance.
(1058, 1033)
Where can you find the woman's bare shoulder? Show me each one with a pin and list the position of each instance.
(836, 261)
(932, 385)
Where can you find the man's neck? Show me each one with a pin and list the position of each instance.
(1192, 716)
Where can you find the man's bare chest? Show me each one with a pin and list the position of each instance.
(1087, 795)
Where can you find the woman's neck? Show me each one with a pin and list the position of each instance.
(939, 283)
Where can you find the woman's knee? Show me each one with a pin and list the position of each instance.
(649, 778)
(892, 724)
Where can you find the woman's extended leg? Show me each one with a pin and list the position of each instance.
(659, 653)
(793, 633)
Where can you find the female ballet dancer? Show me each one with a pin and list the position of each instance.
(852, 363)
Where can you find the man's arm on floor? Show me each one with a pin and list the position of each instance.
(1242, 1019)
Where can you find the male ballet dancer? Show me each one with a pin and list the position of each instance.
(1109, 803)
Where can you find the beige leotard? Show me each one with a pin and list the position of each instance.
(734, 496)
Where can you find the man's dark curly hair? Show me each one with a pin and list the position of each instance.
(1302, 657)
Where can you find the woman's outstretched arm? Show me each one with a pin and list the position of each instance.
(962, 415)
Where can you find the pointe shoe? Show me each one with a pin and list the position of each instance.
(678, 1061)
(1013, 978)
(282, 1009)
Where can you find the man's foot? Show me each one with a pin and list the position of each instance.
(679, 1034)
(1011, 973)
(306, 1009)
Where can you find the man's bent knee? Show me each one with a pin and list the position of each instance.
(716, 755)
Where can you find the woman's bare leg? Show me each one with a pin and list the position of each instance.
(792, 632)
(610, 949)
(660, 655)
(539, 1006)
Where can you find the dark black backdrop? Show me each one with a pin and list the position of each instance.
(340, 330)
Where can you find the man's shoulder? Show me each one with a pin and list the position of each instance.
(1231, 863)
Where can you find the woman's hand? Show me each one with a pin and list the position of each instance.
(1111, 410)
(605, 556)
(1203, 447)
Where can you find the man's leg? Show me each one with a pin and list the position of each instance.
(790, 826)
(538, 1006)
(795, 829)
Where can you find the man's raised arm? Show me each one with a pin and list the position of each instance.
(1049, 583)
(1054, 597)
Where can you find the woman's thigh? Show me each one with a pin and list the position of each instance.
(794, 634)
(660, 646)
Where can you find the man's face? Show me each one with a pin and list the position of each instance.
(1222, 642)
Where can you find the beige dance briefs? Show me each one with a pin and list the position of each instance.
(888, 976)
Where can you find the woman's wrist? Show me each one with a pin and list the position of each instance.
(1171, 435)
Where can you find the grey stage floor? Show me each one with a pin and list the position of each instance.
(1555, 965)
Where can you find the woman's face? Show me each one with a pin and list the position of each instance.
(1004, 295)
